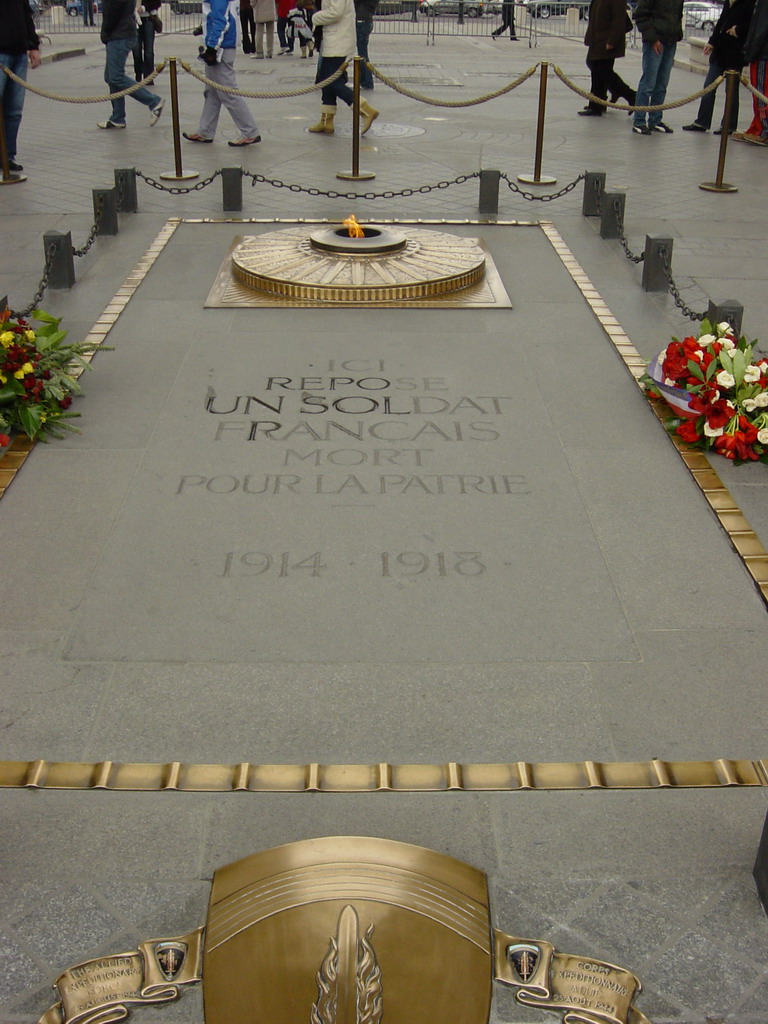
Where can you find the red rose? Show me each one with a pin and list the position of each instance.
(688, 432)
(65, 402)
(4, 440)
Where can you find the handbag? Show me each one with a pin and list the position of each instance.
(157, 22)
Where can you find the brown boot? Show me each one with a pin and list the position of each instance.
(325, 125)
(368, 115)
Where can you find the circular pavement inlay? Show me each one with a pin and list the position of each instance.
(382, 131)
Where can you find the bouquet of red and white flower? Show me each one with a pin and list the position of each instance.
(38, 372)
(718, 386)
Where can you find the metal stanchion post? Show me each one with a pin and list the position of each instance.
(718, 185)
(356, 174)
(538, 178)
(179, 174)
(7, 178)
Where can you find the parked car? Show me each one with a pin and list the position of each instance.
(472, 8)
(553, 8)
(75, 7)
(701, 14)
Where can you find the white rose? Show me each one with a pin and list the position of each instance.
(762, 436)
(706, 339)
(725, 379)
(749, 405)
(752, 374)
(712, 431)
(761, 400)
(724, 327)
(728, 344)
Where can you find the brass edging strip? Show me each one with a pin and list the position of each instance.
(743, 538)
(453, 776)
(17, 453)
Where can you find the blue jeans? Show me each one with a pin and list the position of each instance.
(707, 104)
(117, 79)
(13, 97)
(329, 93)
(652, 88)
(144, 50)
(364, 29)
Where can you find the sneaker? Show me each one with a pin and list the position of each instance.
(641, 129)
(155, 112)
(695, 127)
(109, 124)
(661, 128)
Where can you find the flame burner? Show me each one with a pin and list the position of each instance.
(327, 266)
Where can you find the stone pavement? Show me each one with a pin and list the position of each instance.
(595, 610)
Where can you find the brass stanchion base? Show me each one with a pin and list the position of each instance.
(351, 176)
(173, 176)
(13, 179)
(712, 186)
(543, 179)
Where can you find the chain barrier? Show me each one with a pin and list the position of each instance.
(178, 190)
(98, 211)
(49, 254)
(587, 95)
(249, 94)
(85, 99)
(622, 237)
(513, 187)
(674, 291)
(329, 194)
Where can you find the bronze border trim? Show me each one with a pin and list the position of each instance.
(721, 773)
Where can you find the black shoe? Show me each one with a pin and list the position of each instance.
(662, 129)
(13, 166)
(696, 127)
(641, 129)
(513, 39)
(589, 112)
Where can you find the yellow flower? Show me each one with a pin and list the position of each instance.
(3, 379)
(6, 339)
(30, 335)
(26, 368)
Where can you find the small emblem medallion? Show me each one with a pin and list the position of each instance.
(170, 957)
(524, 960)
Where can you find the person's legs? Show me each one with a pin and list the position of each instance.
(364, 29)
(270, 38)
(646, 84)
(116, 78)
(259, 45)
(13, 98)
(659, 91)
(707, 103)
(237, 107)
(148, 31)
(598, 70)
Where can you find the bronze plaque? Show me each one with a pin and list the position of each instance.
(335, 929)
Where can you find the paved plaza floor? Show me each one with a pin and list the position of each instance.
(415, 536)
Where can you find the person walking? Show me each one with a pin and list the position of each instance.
(218, 55)
(606, 37)
(364, 12)
(265, 14)
(119, 35)
(144, 51)
(507, 21)
(335, 38)
(725, 50)
(88, 12)
(19, 50)
(661, 25)
(248, 26)
(756, 55)
(284, 7)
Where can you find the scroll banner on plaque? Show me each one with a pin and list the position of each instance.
(587, 991)
(99, 991)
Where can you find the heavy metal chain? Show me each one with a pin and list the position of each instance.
(389, 194)
(178, 190)
(622, 237)
(98, 212)
(673, 289)
(543, 199)
(49, 254)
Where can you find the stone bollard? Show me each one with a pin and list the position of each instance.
(489, 192)
(730, 311)
(594, 189)
(62, 259)
(654, 274)
(572, 21)
(612, 214)
(105, 211)
(232, 188)
(125, 189)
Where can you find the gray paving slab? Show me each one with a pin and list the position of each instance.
(612, 636)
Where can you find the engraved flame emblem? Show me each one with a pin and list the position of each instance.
(349, 978)
(524, 960)
(354, 228)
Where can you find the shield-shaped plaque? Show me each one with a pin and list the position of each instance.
(342, 930)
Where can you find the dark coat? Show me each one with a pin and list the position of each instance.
(660, 20)
(17, 29)
(607, 28)
(118, 20)
(728, 50)
(756, 45)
